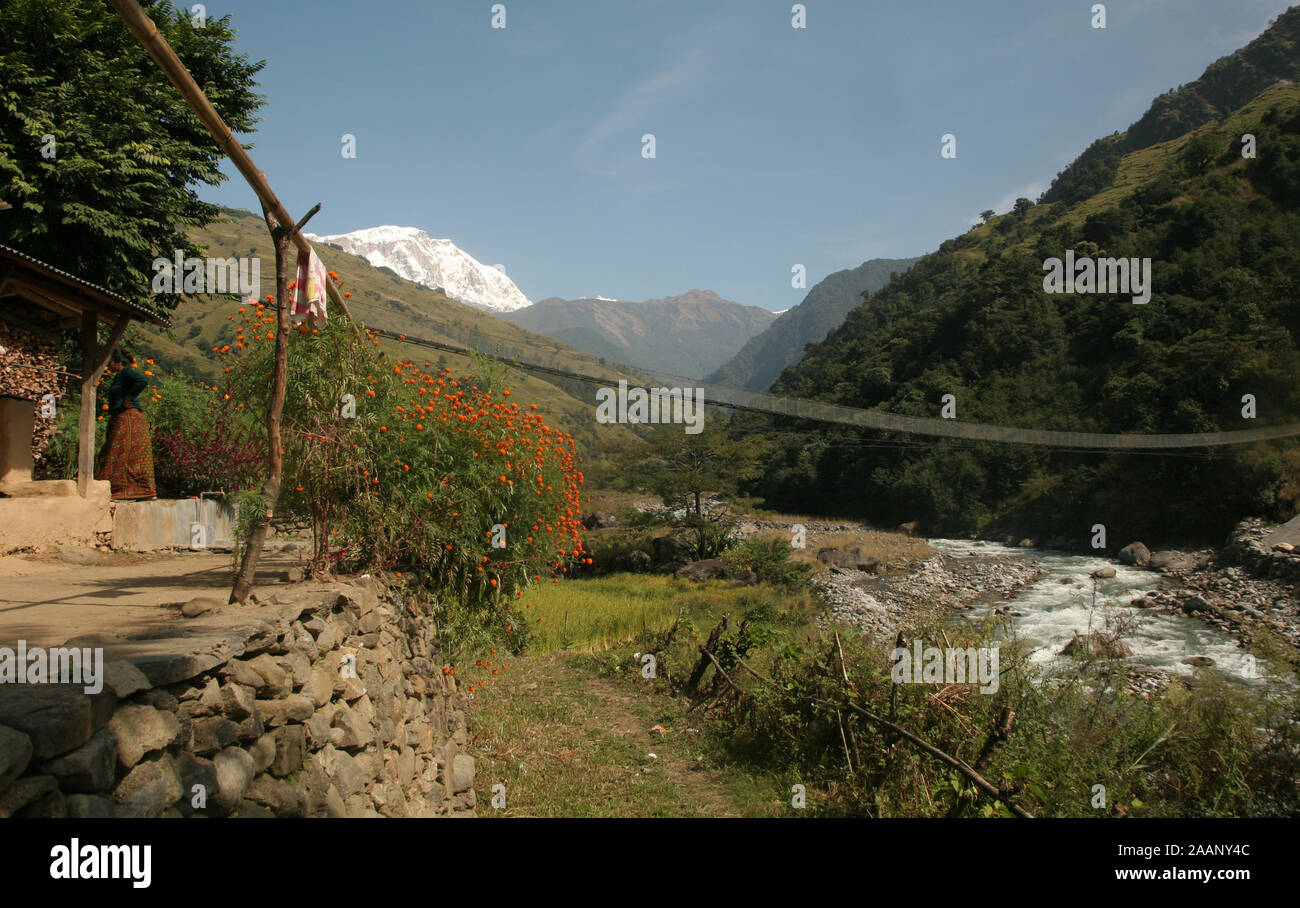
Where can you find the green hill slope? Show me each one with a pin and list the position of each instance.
(1226, 85)
(973, 320)
(382, 300)
(782, 343)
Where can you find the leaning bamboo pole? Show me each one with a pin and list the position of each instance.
(147, 34)
(283, 231)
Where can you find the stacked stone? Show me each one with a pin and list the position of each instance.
(263, 718)
(29, 369)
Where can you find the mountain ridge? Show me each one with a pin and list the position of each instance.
(436, 263)
(689, 334)
(763, 357)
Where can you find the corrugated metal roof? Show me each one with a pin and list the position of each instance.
(142, 312)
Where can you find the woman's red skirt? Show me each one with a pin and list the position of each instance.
(126, 460)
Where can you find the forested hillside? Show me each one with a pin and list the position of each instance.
(1227, 84)
(781, 344)
(973, 320)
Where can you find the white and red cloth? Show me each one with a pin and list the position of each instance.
(312, 280)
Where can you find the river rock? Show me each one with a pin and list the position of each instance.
(1194, 604)
(848, 560)
(1104, 573)
(1198, 661)
(1096, 646)
(1172, 561)
(1135, 553)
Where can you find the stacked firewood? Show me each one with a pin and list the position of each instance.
(30, 370)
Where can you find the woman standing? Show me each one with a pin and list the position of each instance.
(126, 460)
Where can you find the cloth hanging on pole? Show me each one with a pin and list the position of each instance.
(312, 280)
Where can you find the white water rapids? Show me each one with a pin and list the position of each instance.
(1048, 612)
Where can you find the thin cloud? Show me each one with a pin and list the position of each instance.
(633, 112)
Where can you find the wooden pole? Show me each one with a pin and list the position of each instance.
(146, 32)
(93, 361)
(275, 458)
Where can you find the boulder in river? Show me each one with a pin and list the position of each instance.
(1135, 553)
(1198, 661)
(1096, 646)
(1194, 604)
(1103, 573)
(1172, 561)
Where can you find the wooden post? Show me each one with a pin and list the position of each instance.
(146, 32)
(275, 457)
(93, 362)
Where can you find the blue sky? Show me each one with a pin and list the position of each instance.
(774, 146)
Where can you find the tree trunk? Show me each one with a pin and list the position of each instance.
(271, 488)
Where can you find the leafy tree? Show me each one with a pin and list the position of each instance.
(681, 467)
(99, 154)
(987, 215)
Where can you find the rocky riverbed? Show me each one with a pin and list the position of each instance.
(935, 586)
(1245, 592)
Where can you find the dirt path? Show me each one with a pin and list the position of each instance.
(566, 742)
(45, 600)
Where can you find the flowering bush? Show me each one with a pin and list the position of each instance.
(408, 470)
(203, 441)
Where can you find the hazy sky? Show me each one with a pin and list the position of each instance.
(773, 145)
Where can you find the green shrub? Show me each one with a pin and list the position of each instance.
(771, 560)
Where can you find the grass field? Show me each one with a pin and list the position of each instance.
(594, 615)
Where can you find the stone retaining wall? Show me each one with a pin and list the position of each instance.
(250, 712)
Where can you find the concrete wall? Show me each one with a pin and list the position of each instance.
(52, 513)
(145, 526)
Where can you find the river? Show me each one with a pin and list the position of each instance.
(1056, 606)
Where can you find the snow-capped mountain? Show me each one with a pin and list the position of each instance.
(418, 257)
